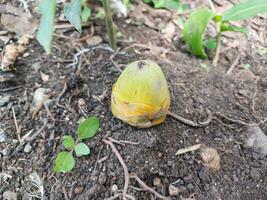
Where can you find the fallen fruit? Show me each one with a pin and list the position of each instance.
(141, 97)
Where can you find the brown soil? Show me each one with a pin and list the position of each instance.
(193, 91)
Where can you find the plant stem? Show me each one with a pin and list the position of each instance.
(110, 25)
(212, 5)
(218, 41)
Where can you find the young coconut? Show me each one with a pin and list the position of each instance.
(141, 97)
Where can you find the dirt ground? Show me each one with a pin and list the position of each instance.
(235, 100)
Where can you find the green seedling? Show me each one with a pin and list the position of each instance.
(195, 26)
(109, 24)
(76, 12)
(65, 161)
(167, 4)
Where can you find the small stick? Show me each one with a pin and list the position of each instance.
(125, 169)
(68, 26)
(189, 122)
(234, 120)
(37, 132)
(18, 129)
(10, 89)
(133, 175)
(48, 110)
(230, 70)
(61, 94)
(116, 65)
(122, 142)
(66, 196)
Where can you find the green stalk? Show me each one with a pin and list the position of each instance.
(110, 25)
(212, 6)
(218, 41)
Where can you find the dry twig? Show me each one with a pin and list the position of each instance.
(61, 94)
(191, 123)
(133, 175)
(125, 169)
(122, 142)
(18, 128)
(230, 70)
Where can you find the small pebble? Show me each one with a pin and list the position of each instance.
(114, 188)
(173, 191)
(6, 151)
(156, 181)
(256, 139)
(5, 100)
(27, 148)
(78, 190)
(190, 186)
(210, 159)
(25, 55)
(2, 137)
(81, 102)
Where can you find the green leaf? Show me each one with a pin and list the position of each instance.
(88, 128)
(68, 141)
(168, 4)
(245, 10)
(100, 14)
(217, 18)
(81, 149)
(64, 162)
(210, 43)
(46, 28)
(147, 1)
(227, 27)
(72, 12)
(194, 29)
(86, 14)
(126, 2)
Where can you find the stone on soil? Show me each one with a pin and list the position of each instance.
(256, 140)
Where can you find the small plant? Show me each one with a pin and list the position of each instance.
(65, 161)
(167, 4)
(76, 12)
(197, 23)
(109, 24)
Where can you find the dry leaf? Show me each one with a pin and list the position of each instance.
(12, 51)
(10, 56)
(15, 20)
(95, 40)
(169, 31)
(44, 77)
(40, 96)
(211, 159)
(188, 149)
(138, 14)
